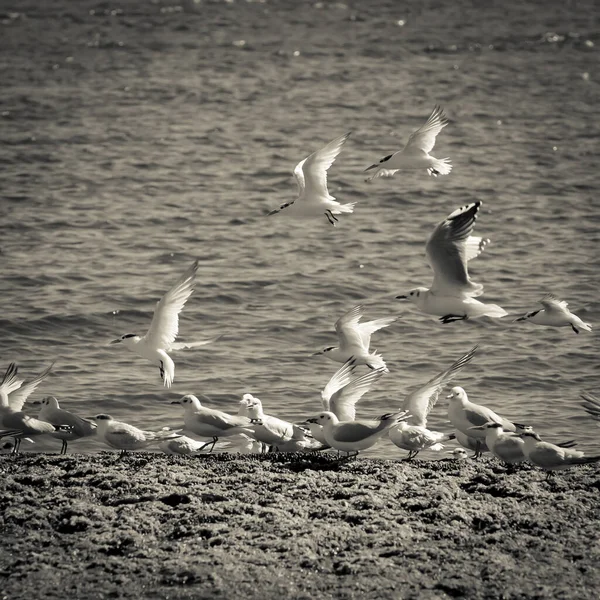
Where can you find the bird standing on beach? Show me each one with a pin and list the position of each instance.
(354, 339)
(509, 447)
(449, 248)
(415, 155)
(412, 434)
(555, 314)
(78, 427)
(160, 338)
(311, 176)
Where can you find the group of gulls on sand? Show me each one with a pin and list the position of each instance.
(451, 297)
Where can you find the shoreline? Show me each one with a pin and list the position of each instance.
(294, 526)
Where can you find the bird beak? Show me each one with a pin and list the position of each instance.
(316, 353)
(36, 402)
(273, 212)
(117, 341)
(311, 420)
(371, 167)
(450, 396)
(402, 297)
(175, 402)
(478, 427)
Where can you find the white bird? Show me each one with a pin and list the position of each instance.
(124, 437)
(509, 447)
(160, 337)
(354, 436)
(354, 339)
(271, 430)
(449, 248)
(458, 453)
(13, 394)
(52, 413)
(181, 445)
(555, 314)
(415, 155)
(210, 422)
(414, 435)
(311, 176)
(244, 444)
(591, 405)
(550, 457)
(465, 415)
(302, 442)
(478, 445)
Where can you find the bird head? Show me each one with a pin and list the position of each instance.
(530, 435)
(187, 401)
(413, 295)
(323, 351)
(457, 393)
(49, 401)
(129, 339)
(323, 418)
(487, 426)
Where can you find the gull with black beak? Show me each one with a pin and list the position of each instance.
(555, 313)
(314, 198)
(449, 248)
(509, 447)
(164, 328)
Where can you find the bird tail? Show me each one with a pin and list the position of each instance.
(167, 370)
(376, 362)
(479, 309)
(343, 208)
(440, 166)
(584, 460)
(579, 323)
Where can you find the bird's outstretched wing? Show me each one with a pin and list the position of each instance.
(551, 303)
(18, 397)
(338, 380)
(348, 330)
(424, 137)
(165, 322)
(343, 402)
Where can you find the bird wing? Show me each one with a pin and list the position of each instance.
(343, 402)
(367, 329)
(190, 345)
(447, 253)
(348, 329)
(9, 383)
(316, 165)
(354, 431)
(474, 246)
(552, 304)
(165, 322)
(420, 402)
(26, 424)
(220, 420)
(547, 455)
(299, 175)
(591, 405)
(338, 380)
(424, 137)
(18, 397)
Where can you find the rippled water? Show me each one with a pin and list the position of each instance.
(136, 136)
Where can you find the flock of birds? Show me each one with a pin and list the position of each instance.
(451, 297)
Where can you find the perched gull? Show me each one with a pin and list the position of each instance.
(465, 415)
(478, 445)
(13, 394)
(52, 413)
(342, 392)
(181, 445)
(452, 293)
(550, 457)
(555, 314)
(591, 405)
(124, 437)
(160, 338)
(414, 435)
(311, 175)
(210, 422)
(415, 155)
(354, 436)
(507, 446)
(355, 337)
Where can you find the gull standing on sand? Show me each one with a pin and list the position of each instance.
(354, 339)
(13, 394)
(52, 413)
(160, 338)
(452, 293)
(555, 314)
(506, 446)
(354, 436)
(551, 457)
(465, 415)
(415, 155)
(414, 435)
(181, 445)
(210, 422)
(311, 176)
(342, 392)
(124, 437)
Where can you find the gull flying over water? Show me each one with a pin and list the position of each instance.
(160, 337)
(415, 155)
(354, 339)
(311, 176)
(555, 313)
(449, 248)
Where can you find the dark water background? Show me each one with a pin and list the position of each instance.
(136, 136)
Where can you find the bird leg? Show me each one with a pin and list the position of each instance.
(432, 171)
(331, 217)
(451, 318)
(214, 441)
(162, 371)
(574, 328)
(16, 445)
(63, 450)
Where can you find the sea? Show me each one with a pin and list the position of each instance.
(137, 136)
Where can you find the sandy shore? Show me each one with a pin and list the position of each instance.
(223, 526)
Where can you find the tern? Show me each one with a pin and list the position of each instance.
(311, 176)
(160, 338)
(354, 339)
(449, 248)
(555, 314)
(415, 155)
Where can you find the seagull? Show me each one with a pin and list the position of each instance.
(507, 446)
(13, 394)
(551, 457)
(124, 437)
(355, 337)
(181, 445)
(311, 176)
(52, 413)
(415, 155)
(555, 314)
(478, 445)
(465, 415)
(591, 405)
(415, 436)
(354, 436)
(452, 293)
(160, 338)
(210, 422)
